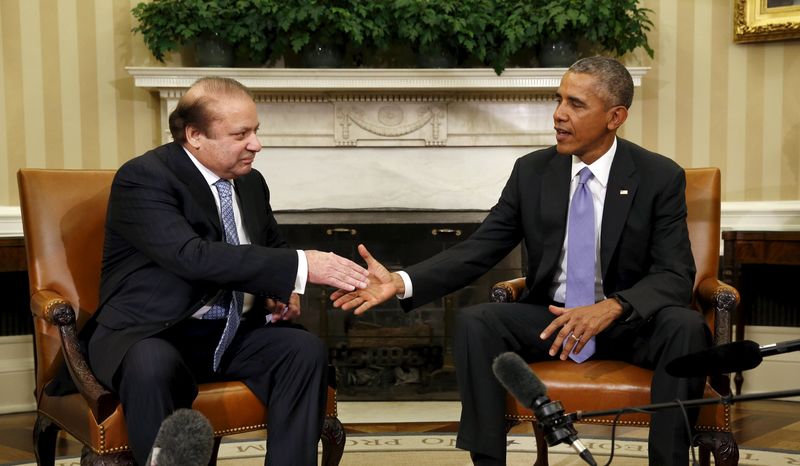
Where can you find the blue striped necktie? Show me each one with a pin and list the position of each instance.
(229, 303)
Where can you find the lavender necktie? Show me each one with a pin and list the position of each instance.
(230, 302)
(581, 255)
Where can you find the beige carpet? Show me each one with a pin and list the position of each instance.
(439, 450)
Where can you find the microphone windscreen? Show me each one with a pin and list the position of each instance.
(723, 359)
(513, 372)
(185, 438)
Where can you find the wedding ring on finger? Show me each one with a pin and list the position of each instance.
(577, 339)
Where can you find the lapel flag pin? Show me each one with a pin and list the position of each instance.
(623, 192)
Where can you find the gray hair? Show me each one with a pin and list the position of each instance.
(616, 84)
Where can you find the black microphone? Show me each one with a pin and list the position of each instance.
(185, 438)
(731, 357)
(513, 372)
(723, 359)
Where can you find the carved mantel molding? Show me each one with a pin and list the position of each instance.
(385, 107)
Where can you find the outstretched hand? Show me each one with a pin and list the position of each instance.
(382, 286)
(326, 268)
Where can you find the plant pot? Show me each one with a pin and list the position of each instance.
(436, 56)
(321, 55)
(211, 51)
(558, 54)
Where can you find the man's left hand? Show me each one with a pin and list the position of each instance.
(578, 324)
(282, 311)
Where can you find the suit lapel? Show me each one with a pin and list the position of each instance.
(185, 171)
(554, 199)
(250, 205)
(622, 184)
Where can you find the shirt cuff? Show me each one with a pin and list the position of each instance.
(302, 273)
(409, 291)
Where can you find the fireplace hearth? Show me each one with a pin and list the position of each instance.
(387, 353)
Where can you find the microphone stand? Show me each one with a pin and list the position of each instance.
(728, 399)
(559, 429)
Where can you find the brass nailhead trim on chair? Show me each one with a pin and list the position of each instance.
(50, 307)
(727, 414)
(217, 433)
(103, 450)
(236, 430)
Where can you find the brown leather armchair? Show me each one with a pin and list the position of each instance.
(615, 384)
(63, 217)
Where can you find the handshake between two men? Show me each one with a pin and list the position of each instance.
(381, 286)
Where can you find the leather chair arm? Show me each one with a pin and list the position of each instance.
(57, 311)
(507, 291)
(720, 300)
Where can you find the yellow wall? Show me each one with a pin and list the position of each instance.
(66, 100)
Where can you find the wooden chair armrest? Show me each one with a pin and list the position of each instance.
(57, 311)
(721, 299)
(507, 291)
(718, 301)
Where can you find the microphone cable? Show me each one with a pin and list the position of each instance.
(688, 430)
(647, 411)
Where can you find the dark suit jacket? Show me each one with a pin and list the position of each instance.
(164, 254)
(645, 252)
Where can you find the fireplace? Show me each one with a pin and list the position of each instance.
(386, 353)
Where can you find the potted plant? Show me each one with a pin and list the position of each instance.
(514, 35)
(615, 26)
(321, 31)
(222, 27)
(444, 32)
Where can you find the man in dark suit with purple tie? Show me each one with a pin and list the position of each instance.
(634, 303)
(198, 285)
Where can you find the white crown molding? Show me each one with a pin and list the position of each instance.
(385, 79)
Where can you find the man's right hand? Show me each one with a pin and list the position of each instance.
(326, 268)
(383, 285)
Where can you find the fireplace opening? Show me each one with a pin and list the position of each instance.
(387, 353)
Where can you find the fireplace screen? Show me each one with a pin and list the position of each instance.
(387, 353)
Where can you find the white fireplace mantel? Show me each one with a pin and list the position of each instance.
(374, 138)
(385, 138)
(385, 107)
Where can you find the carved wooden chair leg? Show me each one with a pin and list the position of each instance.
(541, 446)
(214, 451)
(333, 438)
(703, 456)
(90, 458)
(722, 445)
(45, 434)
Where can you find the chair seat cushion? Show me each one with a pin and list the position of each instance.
(602, 385)
(230, 407)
